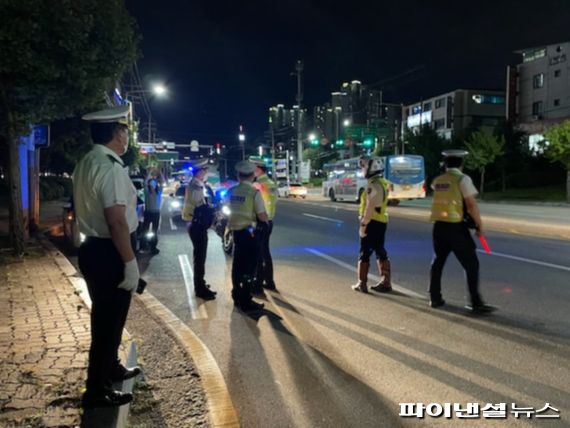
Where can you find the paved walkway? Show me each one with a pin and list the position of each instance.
(44, 342)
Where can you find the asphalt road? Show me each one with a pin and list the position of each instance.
(324, 355)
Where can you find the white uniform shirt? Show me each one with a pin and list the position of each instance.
(466, 185)
(258, 204)
(100, 183)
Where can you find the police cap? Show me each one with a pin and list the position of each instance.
(118, 114)
(245, 167)
(454, 153)
(200, 163)
(258, 162)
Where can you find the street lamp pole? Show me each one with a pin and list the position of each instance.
(299, 73)
(272, 148)
(241, 137)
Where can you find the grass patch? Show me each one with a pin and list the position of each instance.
(535, 194)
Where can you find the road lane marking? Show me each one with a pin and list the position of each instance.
(198, 312)
(172, 225)
(351, 268)
(323, 218)
(522, 259)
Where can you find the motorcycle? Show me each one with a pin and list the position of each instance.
(220, 225)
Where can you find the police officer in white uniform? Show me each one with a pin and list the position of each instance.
(248, 219)
(454, 196)
(198, 213)
(105, 205)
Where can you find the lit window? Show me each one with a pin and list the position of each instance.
(538, 81)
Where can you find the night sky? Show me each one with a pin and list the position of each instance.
(226, 62)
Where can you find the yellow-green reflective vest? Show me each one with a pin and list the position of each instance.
(447, 204)
(380, 213)
(241, 198)
(193, 192)
(268, 191)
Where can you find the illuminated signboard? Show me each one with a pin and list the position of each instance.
(414, 120)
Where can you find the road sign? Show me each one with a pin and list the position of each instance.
(194, 146)
(147, 148)
(166, 156)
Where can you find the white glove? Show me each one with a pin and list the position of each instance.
(132, 276)
(362, 231)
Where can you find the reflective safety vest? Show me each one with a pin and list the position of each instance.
(190, 199)
(241, 199)
(268, 191)
(447, 204)
(380, 213)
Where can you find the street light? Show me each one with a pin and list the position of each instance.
(159, 89)
(346, 122)
(241, 138)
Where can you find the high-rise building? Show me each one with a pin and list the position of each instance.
(538, 88)
(455, 112)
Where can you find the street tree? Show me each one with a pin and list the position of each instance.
(484, 147)
(557, 148)
(58, 59)
(429, 144)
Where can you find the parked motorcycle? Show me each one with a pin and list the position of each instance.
(220, 224)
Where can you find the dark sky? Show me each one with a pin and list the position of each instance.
(226, 62)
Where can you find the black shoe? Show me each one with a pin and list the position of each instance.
(258, 291)
(250, 306)
(437, 303)
(122, 373)
(205, 293)
(154, 251)
(108, 398)
(481, 308)
(270, 286)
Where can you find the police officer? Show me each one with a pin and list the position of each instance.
(453, 194)
(105, 204)
(268, 189)
(373, 218)
(152, 201)
(247, 218)
(198, 212)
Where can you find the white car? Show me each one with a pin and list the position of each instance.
(296, 190)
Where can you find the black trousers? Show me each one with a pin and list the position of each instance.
(456, 238)
(246, 255)
(373, 242)
(199, 237)
(265, 262)
(103, 270)
(151, 217)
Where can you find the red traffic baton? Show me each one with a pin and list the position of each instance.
(484, 244)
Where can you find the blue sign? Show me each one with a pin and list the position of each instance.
(41, 135)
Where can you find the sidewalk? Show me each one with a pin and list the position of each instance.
(44, 342)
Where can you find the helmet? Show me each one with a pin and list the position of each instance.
(371, 166)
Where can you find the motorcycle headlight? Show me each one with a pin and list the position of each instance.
(175, 204)
(149, 235)
(226, 210)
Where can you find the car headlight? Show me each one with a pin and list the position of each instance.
(226, 210)
(81, 237)
(175, 204)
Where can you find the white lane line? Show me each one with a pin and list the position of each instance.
(172, 225)
(522, 259)
(352, 269)
(323, 218)
(198, 312)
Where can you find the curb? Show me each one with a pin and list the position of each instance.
(93, 418)
(221, 409)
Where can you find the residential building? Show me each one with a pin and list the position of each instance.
(454, 113)
(538, 88)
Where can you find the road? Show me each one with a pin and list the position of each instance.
(323, 355)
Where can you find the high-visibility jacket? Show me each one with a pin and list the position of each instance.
(447, 204)
(268, 191)
(241, 199)
(193, 198)
(380, 212)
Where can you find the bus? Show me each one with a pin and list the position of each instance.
(405, 174)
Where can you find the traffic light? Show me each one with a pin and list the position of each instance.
(218, 147)
(315, 142)
(368, 142)
(339, 143)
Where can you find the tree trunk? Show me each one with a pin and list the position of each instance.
(504, 179)
(14, 183)
(568, 186)
(482, 182)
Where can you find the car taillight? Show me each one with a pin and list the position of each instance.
(424, 187)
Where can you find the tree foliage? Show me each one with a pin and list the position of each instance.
(558, 148)
(57, 59)
(484, 147)
(429, 144)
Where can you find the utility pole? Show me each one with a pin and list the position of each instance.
(299, 72)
